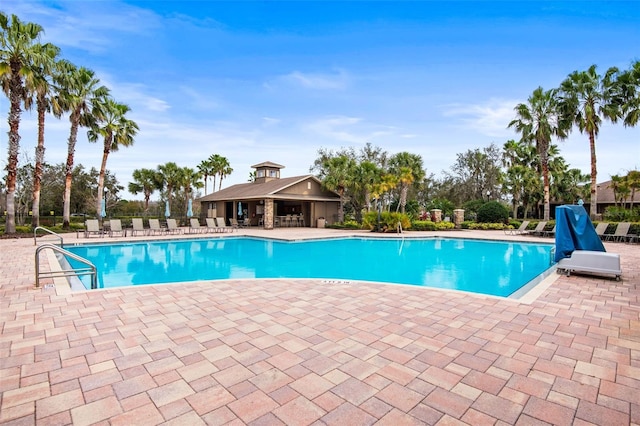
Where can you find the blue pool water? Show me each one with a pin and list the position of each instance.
(487, 267)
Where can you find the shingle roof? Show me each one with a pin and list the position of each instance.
(270, 189)
(606, 196)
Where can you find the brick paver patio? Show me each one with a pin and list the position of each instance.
(307, 352)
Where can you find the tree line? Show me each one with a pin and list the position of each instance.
(33, 75)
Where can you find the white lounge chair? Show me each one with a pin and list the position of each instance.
(92, 226)
(195, 227)
(522, 229)
(155, 228)
(212, 226)
(601, 228)
(138, 226)
(539, 229)
(222, 225)
(621, 233)
(172, 227)
(115, 226)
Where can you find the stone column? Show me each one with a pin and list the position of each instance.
(436, 215)
(268, 214)
(458, 217)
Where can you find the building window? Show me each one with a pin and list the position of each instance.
(260, 173)
(273, 173)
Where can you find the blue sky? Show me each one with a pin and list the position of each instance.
(275, 80)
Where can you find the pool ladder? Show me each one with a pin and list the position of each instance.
(89, 269)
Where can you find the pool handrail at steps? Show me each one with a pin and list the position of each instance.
(35, 231)
(89, 270)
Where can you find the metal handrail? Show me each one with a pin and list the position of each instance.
(35, 231)
(89, 270)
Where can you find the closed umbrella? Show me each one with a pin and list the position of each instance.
(190, 208)
(167, 210)
(103, 208)
(239, 208)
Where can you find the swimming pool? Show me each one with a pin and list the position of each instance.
(487, 267)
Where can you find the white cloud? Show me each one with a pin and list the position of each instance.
(338, 80)
(490, 118)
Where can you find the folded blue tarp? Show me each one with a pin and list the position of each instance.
(574, 231)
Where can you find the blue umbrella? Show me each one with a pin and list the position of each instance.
(167, 210)
(190, 208)
(103, 208)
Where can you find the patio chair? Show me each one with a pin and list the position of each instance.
(115, 226)
(621, 233)
(138, 226)
(155, 228)
(222, 225)
(92, 226)
(520, 230)
(539, 229)
(601, 228)
(234, 223)
(195, 227)
(172, 227)
(551, 233)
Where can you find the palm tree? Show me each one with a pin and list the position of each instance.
(116, 131)
(628, 85)
(206, 169)
(145, 181)
(633, 182)
(79, 93)
(587, 98)
(190, 180)
(39, 84)
(170, 178)
(538, 121)
(17, 51)
(336, 173)
(225, 171)
(408, 169)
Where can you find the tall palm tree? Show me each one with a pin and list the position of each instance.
(206, 169)
(190, 180)
(145, 181)
(408, 168)
(170, 179)
(39, 85)
(336, 173)
(116, 130)
(79, 93)
(628, 83)
(538, 121)
(586, 99)
(18, 50)
(224, 171)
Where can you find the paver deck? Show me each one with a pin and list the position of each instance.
(306, 352)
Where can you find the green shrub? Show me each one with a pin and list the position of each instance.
(388, 221)
(492, 212)
(466, 224)
(442, 226)
(423, 225)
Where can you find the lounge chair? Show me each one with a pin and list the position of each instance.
(138, 226)
(234, 223)
(551, 233)
(539, 229)
(172, 227)
(621, 233)
(522, 229)
(155, 228)
(212, 226)
(115, 226)
(222, 225)
(195, 227)
(601, 228)
(92, 226)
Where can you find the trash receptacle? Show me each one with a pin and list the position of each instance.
(320, 222)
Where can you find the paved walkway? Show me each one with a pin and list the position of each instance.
(299, 352)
